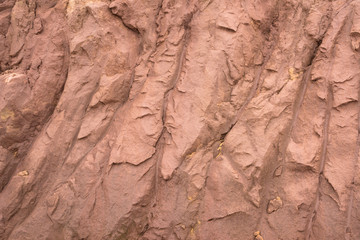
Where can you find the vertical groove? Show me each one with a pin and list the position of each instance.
(356, 168)
(298, 103)
(173, 82)
(323, 157)
(253, 89)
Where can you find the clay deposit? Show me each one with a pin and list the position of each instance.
(179, 119)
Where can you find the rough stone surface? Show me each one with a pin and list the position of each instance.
(274, 205)
(188, 119)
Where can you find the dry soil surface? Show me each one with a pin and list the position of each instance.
(179, 119)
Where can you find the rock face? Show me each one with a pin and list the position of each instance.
(188, 119)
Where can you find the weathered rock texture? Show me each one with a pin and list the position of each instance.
(179, 119)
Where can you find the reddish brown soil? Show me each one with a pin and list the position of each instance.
(179, 119)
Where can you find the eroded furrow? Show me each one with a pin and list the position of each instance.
(175, 79)
(253, 90)
(354, 182)
(323, 157)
